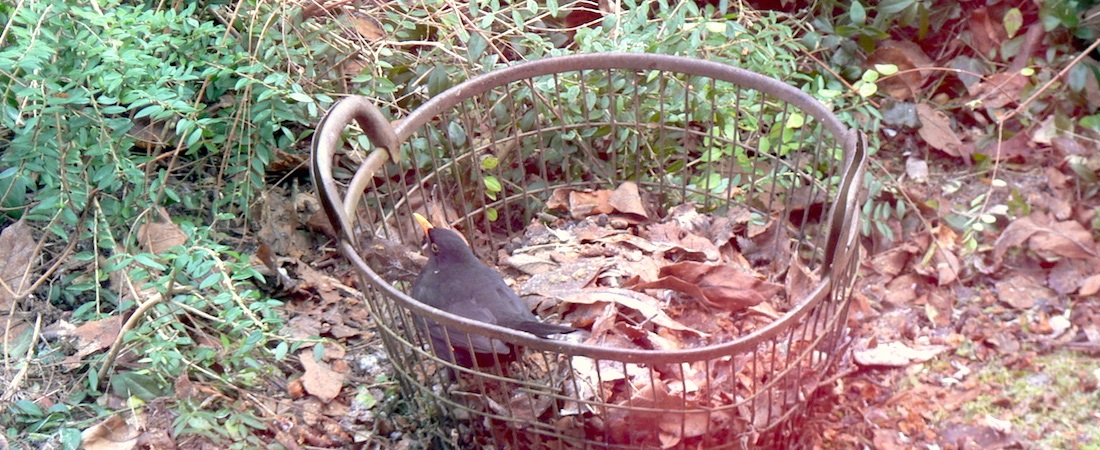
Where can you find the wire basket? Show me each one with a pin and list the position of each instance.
(687, 132)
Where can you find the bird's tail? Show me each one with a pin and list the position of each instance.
(543, 329)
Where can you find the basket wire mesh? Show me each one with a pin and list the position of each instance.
(686, 131)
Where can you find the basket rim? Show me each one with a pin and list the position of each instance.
(447, 99)
(617, 60)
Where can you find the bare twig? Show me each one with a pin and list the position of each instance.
(17, 380)
(1051, 82)
(131, 322)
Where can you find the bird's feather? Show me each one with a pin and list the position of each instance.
(455, 281)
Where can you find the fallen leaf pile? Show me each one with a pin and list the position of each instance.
(947, 316)
(636, 280)
(639, 281)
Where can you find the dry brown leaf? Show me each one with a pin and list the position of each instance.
(93, 337)
(113, 433)
(17, 254)
(159, 235)
(591, 203)
(891, 262)
(151, 135)
(1090, 285)
(1016, 234)
(937, 132)
(627, 199)
(800, 283)
(1068, 275)
(571, 275)
(1050, 240)
(901, 291)
(367, 26)
(592, 230)
(529, 264)
(1067, 239)
(999, 90)
(896, 354)
(559, 199)
(1018, 146)
(18, 249)
(985, 32)
(319, 379)
(906, 56)
(939, 306)
(680, 241)
(283, 162)
(718, 285)
(648, 307)
(1022, 290)
(945, 262)
(674, 425)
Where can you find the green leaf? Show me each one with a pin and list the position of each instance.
(135, 384)
(476, 46)
(365, 398)
(795, 121)
(867, 89)
(890, 7)
(456, 133)
(1092, 122)
(28, 408)
(210, 280)
(147, 260)
(1013, 21)
(150, 110)
(857, 13)
(489, 162)
(1053, 14)
(492, 184)
(70, 438)
(886, 69)
(281, 351)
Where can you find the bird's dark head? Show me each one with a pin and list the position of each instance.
(448, 246)
(444, 245)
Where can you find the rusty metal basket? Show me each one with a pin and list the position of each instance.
(595, 121)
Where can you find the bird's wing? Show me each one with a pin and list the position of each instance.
(472, 309)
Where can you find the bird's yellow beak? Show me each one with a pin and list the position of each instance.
(424, 223)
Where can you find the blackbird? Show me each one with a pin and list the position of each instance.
(455, 281)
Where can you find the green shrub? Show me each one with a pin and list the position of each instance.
(111, 110)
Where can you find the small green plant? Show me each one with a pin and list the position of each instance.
(48, 424)
(1047, 400)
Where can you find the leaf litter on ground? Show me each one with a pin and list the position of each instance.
(634, 277)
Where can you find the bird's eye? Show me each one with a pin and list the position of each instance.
(435, 248)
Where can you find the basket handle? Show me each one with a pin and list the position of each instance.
(325, 142)
(844, 217)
